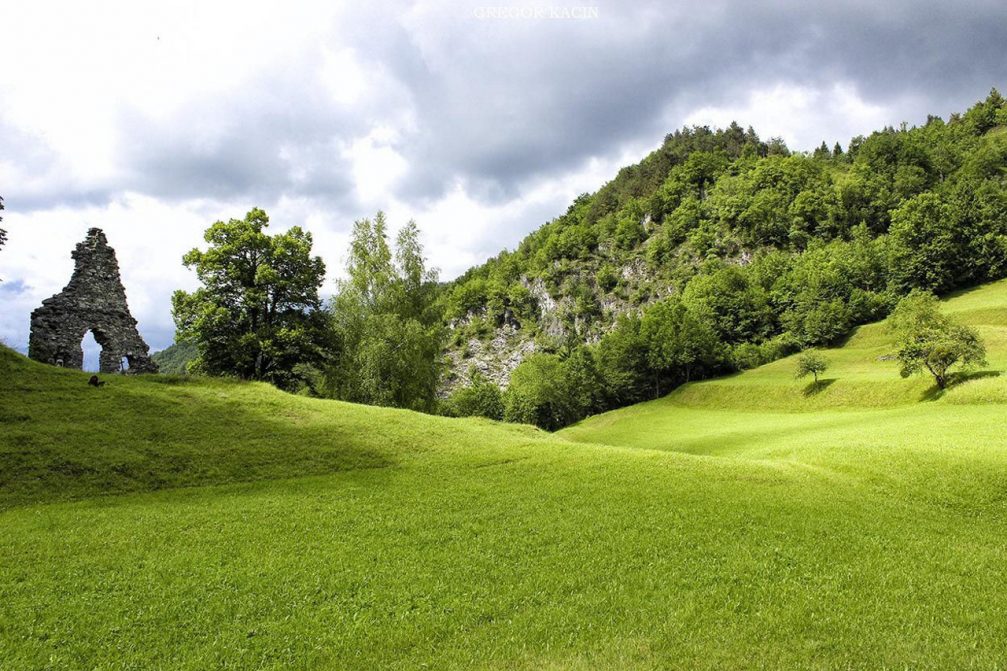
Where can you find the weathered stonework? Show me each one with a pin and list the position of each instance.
(95, 301)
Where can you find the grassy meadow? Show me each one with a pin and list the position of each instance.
(752, 521)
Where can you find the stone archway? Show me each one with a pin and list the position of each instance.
(95, 301)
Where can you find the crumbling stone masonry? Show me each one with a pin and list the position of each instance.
(95, 301)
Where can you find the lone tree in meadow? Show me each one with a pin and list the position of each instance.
(811, 363)
(931, 341)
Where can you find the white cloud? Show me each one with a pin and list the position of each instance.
(803, 116)
(343, 75)
(376, 165)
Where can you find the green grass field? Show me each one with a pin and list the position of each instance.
(746, 522)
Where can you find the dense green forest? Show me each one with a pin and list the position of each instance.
(720, 252)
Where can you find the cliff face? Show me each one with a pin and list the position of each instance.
(494, 359)
(494, 347)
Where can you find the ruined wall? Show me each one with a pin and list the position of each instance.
(95, 301)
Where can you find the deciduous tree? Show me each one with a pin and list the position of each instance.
(678, 342)
(811, 363)
(257, 314)
(539, 393)
(388, 334)
(480, 398)
(931, 341)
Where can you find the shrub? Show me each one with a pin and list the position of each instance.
(481, 398)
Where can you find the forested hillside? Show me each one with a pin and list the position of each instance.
(720, 251)
(174, 359)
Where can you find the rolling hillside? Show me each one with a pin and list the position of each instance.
(184, 523)
(762, 250)
(862, 380)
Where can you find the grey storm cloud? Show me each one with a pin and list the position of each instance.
(502, 103)
(499, 104)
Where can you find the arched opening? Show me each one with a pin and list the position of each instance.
(124, 364)
(92, 353)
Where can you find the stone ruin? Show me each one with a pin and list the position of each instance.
(95, 301)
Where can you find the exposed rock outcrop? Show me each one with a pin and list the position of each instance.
(95, 301)
(495, 359)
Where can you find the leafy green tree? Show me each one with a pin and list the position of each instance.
(539, 393)
(981, 206)
(552, 391)
(584, 382)
(622, 363)
(415, 284)
(480, 398)
(819, 322)
(387, 331)
(737, 308)
(257, 315)
(764, 202)
(927, 249)
(830, 287)
(930, 340)
(678, 342)
(392, 361)
(986, 115)
(749, 355)
(811, 363)
(628, 233)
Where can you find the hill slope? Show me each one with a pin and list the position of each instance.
(737, 251)
(174, 359)
(861, 379)
(184, 523)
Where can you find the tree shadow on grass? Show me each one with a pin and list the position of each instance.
(819, 386)
(934, 392)
(958, 378)
(69, 441)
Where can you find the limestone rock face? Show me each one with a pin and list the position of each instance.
(495, 360)
(95, 301)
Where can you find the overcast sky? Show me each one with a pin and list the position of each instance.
(480, 120)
